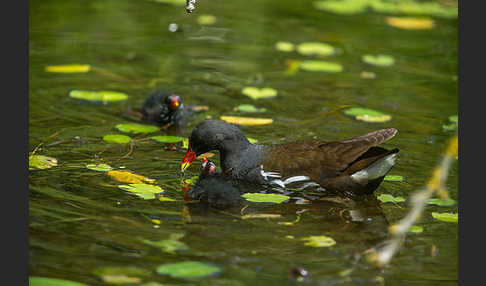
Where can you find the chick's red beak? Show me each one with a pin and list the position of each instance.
(174, 103)
(186, 162)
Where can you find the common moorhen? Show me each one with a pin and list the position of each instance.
(349, 168)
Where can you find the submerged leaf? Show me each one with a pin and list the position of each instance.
(172, 2)
(136, 128)
(315, 48)
(319, 241)
(206, 19)
(265, 198)
(393, 178)
(447, 217)
(99, 167)
(167, 139)
(378, 60)
(246, 120)
(188, 269)
(46, 281)
(346, 7)
(257, 93)
(410, 23)
(416, 229)
(145, 191)
(441, 202)
(116, 138)
(320, 66)
(41, 162)
(98, 96)
(170, 245)
(121, 275)
(128, 177)
(68, 68)
(387, 198)
(284, 46)
(248, 108)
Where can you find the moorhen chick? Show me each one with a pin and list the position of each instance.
(349, 168)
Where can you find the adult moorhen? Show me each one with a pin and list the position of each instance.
(349, 168)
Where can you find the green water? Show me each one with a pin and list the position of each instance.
(80, 220)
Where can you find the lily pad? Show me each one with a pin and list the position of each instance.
(319, 241)
(116, 138)
(249, 108)
(410, 23)
(378, 60)
(320, 66)
(167, 139)
(284, 46)
(346, 7)
(257, 93)
(441, 202)
(247, 120)
(68, 68)
(206, 19)
(170, 245)
(46, 281)
(188, 269)
(416, 229)
(265, 198)
(121, 275)
(166, 199)
(98, 96)
(128, 177)
(145, 191)
(99, 167)
(387, 198)
(367, 115)
(315, 48)
(40, 162)
(252, 140)
(136, 128)
(393, 178)
(447, 217)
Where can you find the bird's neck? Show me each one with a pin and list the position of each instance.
(238, 160)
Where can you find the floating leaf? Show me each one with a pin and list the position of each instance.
(248, 108)
(172, 2)
(447, 217)
(387, 198)
(68, 68)
(257, 93)
(206, 19)
(452, 126)
(393, 178)
(153, 284)
(46, 281)
(416, 229)
(453, 118)
(311, 48)
(136, 128)
(167, 139)
(128, 177)
(378, 60)
(265, 198)
(246, 120)
(116, 138)
(121, 275)
(410, 23)
(347, 7)
(99, 167)
(367, 115)
(170, 245)
(320, 66)
(41, 162)
(188, 269)
(165, 199)
(319, 241)
(441, 202)
(252, 140)
(145, 191)
(248, 216)
(185, 143)
(98, 96)
(284, 46)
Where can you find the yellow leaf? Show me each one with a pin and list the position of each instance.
(261, 216)
(246, 120)
(410, 23)
(68, 68)
(129, 177)
(205, 155)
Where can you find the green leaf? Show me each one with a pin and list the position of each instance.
(416, 229)
(167, 139)
(393, 178)
(40, 162)
(145, 191)
(170, 245)
(116, 138)
(46, 281)
(188, 269)
(447, 217)
(284, 46)
(249, 108)
(101, 96)
(453, 118)
(68, 68)
(136, 128)
(206, 19)
(441, 202)
(319, 241)
(99, 167)
(257, 93)
(172, 2)
(311, 48)
(378, 60)
(387, 198)
(121, 274)
(367, 115)
(346, 7)
(252, 140)
(320, 66)
(265, 198)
